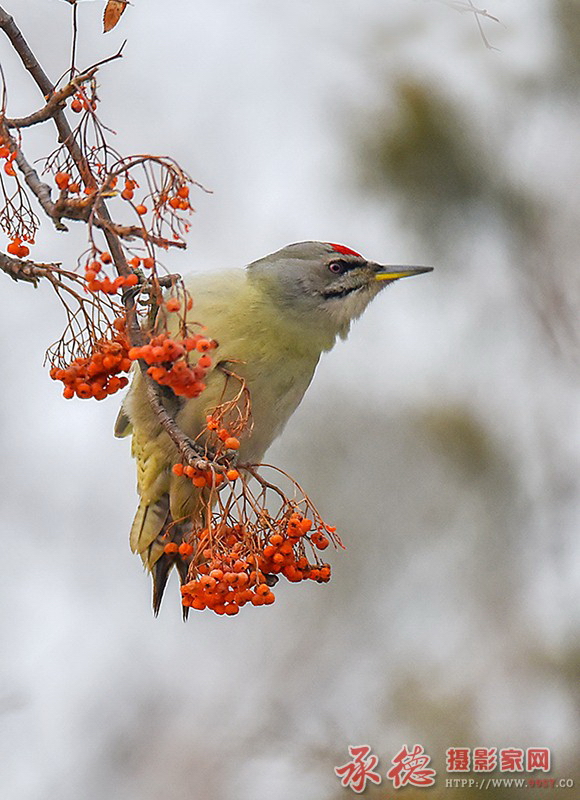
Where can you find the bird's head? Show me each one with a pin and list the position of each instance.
(324, 284)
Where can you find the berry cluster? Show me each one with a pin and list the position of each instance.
(205, 478)
(65, 183)
(146, 263)
(97, 375)
(16, 248)
(226, 583)
(8, 156)
(106, 284)
(179, 201)
(226, 441)
(280, 556)
(185, 550)
(129, 190)
(169, 361)
(81, 102)
(244, 571)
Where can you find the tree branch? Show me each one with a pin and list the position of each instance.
(97, 209)
(56, 101)
(190, 453)
(26, 271)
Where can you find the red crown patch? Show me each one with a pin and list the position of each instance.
(346, 251)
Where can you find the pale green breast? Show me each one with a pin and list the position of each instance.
(271, 349)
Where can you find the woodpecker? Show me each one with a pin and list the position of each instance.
(272, 320)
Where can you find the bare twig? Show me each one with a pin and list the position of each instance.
(468, 6)
(135, 232)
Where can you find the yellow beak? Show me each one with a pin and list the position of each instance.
(393, 273)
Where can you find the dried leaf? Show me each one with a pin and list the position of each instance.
(112, 15)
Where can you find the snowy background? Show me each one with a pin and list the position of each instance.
(442, 438)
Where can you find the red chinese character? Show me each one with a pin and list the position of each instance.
(409, 768)
(355, 773)
(484, 759)
(511, 759)
(538, 758)
(457, 759)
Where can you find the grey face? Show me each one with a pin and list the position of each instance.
(328, 282)
(310, 273)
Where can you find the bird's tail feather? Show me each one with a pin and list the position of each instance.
(150, 521)
(160, 575)
(152, 529)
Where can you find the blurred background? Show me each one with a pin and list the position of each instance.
(442, 438)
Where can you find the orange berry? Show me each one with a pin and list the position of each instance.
(9, 169)
(68, 393)
(173, 304)
(276, 539)
(177, 469)
(171, 547)
(62, 179)
(204, 361)
(106, 257)
(231, 443)
(257, 600)
(76, 105)
(127, 194)
(84, 391)
(141, 209)
(148, 263)
(131, 280)
(134, 262)
(185, 549)
(183, 191)
(74, 188)
(174, 202)
(13, 248)
(232, 474)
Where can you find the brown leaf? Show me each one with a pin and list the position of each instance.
(112, 15)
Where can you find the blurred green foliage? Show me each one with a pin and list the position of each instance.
(426, 152)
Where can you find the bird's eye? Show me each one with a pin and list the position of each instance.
(337, 267)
